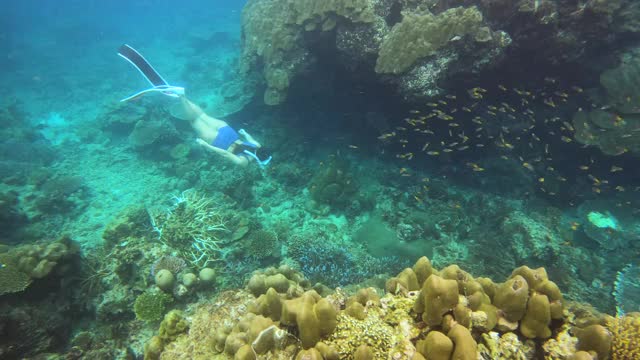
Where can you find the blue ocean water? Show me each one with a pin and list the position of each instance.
(496, 147)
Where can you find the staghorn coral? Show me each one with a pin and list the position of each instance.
(194, 226)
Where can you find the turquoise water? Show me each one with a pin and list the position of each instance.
(487, 153)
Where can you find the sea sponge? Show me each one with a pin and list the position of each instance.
(437, 297)
(436, 346)
(511, 297)
(488, 286)
(552, 291)
(423, 269)
(466, 283)
(465, 348)
(595, 338)
(365, 296)
(268, 304)
(259, 283)
(491, 319)
(535, 323)
(462, 314)
(533, 276)
(406, 281)
(314, 317)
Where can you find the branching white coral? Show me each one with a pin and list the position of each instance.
(193, 225)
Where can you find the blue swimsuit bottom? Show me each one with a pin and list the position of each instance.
(226, 137)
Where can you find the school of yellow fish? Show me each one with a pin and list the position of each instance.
(458, 124)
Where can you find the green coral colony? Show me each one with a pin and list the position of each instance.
(340, 255)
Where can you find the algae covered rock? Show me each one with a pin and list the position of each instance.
(612, 127)
(334, 183)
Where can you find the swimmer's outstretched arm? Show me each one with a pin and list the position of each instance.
(238, 160)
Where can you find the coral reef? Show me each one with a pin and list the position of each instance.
(273, 34)
(421, 35)
(366, 325)
(419, 47)
(38, 291)
(23, 264)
